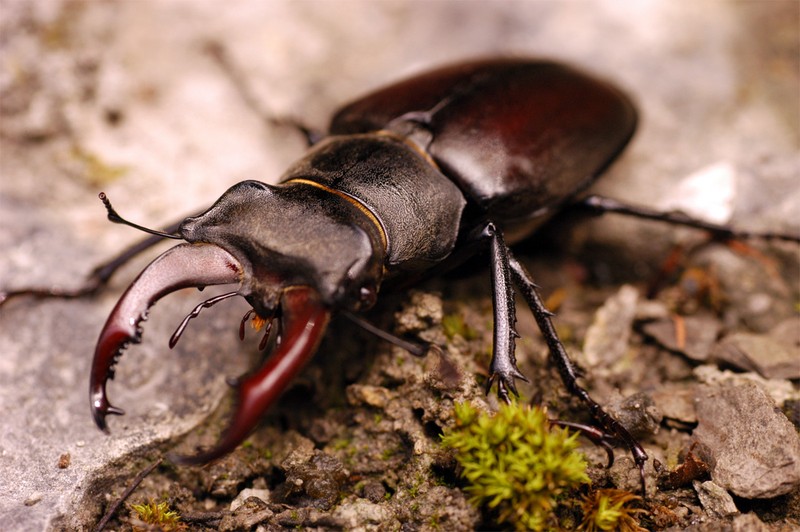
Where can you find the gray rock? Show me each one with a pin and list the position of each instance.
(755, 447)
(607, 338)
(638, 413)
(249, 512)
(755, 292)
(780, 390)
(261, 494)
(760, 353)
(749, 522)
(316, 476)
(695, 340)
(676, 401)
(715, 499)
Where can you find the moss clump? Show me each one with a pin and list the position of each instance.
(515, 462)
(158, 515)
(454, 325)
(610, 509)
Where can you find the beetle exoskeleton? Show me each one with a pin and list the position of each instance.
(420, 174)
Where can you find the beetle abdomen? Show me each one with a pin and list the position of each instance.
(518, 137)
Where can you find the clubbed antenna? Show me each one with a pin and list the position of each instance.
(117, 219)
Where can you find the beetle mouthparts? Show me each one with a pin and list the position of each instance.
(186, 265)
(303, 322)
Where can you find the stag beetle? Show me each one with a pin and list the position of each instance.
(412, 178)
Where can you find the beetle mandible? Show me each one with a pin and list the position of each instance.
(417, 176)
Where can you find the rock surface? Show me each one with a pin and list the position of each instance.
(715, 499)
(774, 355)
(755, 447)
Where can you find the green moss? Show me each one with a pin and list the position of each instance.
(515, 462)
(433, 522)
(158, 514)
(454, 324)
(388, 453)
(341, 444)
(610, 509)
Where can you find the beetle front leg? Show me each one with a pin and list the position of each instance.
(503, 368)
(98, 278)
(566, 367)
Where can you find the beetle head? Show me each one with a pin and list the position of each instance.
(294, 235)
(296, 252)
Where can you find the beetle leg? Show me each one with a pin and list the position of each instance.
(219, 54)
(183, 266)
(597, 436)
(602, 205)
(503, 368)
(304, 320)
(566, 367)
(98, 277)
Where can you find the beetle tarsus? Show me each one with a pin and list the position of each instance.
(597, 436)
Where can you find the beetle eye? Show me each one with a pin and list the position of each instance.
(367, 296)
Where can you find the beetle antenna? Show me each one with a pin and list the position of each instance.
(117, 219)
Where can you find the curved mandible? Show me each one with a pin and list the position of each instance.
(304, 321)
(183, 266)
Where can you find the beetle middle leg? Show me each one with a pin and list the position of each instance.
(506, 269)
(219, 54)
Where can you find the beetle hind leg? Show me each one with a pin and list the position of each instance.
(602, 205)
(611, 428)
